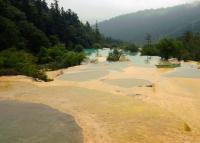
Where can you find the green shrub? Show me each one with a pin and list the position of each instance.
(186, 48)
(52, 54)
(13, 62)
(150, 51)
(114, 55)
(58, 57)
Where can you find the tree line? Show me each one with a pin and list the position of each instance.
(186, 47)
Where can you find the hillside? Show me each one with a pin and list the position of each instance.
(164, 22)
(33, 25)
(35, 37)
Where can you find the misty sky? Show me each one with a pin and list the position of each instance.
(92, 10)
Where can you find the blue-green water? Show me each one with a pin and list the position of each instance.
(135, 58)
(143, 61)
(101, 69)
(186, 70)
(91, 53)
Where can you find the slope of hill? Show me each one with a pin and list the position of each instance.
(172, 21)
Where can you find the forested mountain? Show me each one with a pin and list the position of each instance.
(32, 25)
(159, 23)
(35, 37)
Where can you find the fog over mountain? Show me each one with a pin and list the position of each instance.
(163, 22)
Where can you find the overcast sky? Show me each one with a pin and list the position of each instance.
(92, 10)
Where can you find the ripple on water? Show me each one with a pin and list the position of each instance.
(35, 123)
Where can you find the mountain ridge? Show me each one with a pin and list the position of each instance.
(159, 23)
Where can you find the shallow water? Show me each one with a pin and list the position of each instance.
(84, 76)
(135, 58)
(128, 83)
(91, 53)
(34, 123)
(186, 71)
(144, 61)
(95, 71)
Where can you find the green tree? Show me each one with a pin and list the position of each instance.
(170, 48)
(14, 62)
(78, 48)
(8, 30)
(149, 40)
(97, 33)
(114, 55)
(35, 38)
(131, 48)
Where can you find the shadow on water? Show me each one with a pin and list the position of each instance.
(35, 123)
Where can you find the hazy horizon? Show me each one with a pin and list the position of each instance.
(99, 10)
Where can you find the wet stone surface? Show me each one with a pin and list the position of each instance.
(35, 123)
